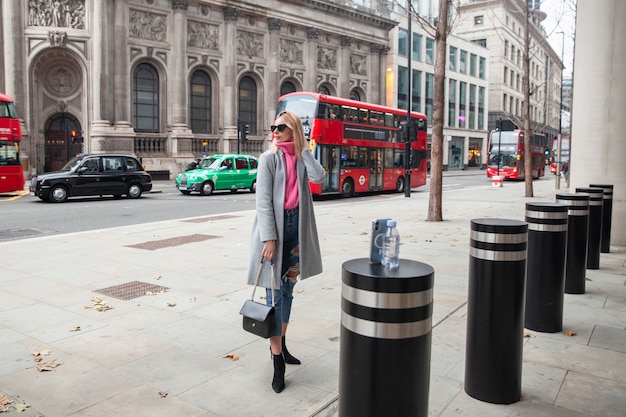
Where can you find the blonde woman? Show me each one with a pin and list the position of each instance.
(284, 229)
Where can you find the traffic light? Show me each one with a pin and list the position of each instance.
(244, 131)
(76, 138)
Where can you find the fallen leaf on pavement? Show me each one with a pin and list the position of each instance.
(163, 394)
(569, 333)
(3, 409)
(75, 329)
(529, 335)
(21, 407)
(171, 304)
(233, 356)
(44, 352)
(48, 366)
(4, 400)
(99, 304)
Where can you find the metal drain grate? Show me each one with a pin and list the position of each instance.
(130, 290)
(174, 241)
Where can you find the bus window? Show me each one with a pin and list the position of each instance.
(362, 158)
(348, 156)
(363, 116)
(388, 161)
(389, 120)
(334, 112)
(398, 159)
(345, 113)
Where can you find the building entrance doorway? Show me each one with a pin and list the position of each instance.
(63, 141)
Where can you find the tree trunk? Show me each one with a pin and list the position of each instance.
(528, 157)
(436, 164)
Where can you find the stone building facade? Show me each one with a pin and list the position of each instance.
(171, 80)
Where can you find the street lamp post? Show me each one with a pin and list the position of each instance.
(560, 139)
(407, 147)
(499, 147)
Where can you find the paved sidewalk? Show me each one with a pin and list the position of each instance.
(164, 354)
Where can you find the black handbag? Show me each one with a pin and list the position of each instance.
(259, 318)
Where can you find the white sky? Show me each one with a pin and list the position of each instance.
(561, 18)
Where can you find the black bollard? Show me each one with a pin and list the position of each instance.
(495, 310)
(594, 235)
(386, 323)
(607, 213)
(545, 266)
(577, 231)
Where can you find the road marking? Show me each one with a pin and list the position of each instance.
(15, 197)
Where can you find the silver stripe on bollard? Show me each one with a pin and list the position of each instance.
(380, 330)
(386, 300)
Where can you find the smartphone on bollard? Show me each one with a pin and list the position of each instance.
(379, 226)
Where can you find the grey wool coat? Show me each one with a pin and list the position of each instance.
(269, 220)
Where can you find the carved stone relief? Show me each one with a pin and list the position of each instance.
(147, 25)
(312, 33)
(202, 35)
(249, 44)
(358, 64)
(326, 58)
(57, 13)
(57, 38)
(291, 52)
(180, 4)
(61, 79)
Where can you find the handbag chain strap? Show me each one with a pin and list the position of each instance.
(258, 275)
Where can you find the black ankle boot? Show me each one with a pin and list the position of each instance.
(278, 382)
(289, 358)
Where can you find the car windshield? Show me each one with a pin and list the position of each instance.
(207, 162)
(73, 163)
(214, 164)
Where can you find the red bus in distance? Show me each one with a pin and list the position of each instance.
(11, 171)
(506, 154)
(359, 144)
(554, 155)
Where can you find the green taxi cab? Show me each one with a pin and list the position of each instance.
(220, 172)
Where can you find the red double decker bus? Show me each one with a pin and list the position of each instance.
(506, 154)
(11, 172)
(359, 144)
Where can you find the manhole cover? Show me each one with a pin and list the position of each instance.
(173, 241)
(131, 290)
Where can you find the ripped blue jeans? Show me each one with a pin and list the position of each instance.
(291, 262)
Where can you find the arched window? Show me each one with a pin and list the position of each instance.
(247, 104)
(354, 95)
(324, 90)
(146, 99)
(287, 88)
(200, 103)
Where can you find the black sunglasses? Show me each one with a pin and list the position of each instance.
(279, 127)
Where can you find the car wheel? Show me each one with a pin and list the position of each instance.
(400, 184)
(233, 190)
(58, 194)
(134, 191)
(186, 192)
(253, 187)
(347, 189)
(207, 188)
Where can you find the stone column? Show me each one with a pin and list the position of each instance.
(344, 69)
(310, 57)
(178, 81)
(273, 68)
(121, 81)
(99, 80)
(181, 135)
(231, 90)
(378, 73)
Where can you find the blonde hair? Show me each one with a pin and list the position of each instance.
(294, 123)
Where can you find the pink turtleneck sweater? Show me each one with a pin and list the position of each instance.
(291, 182)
